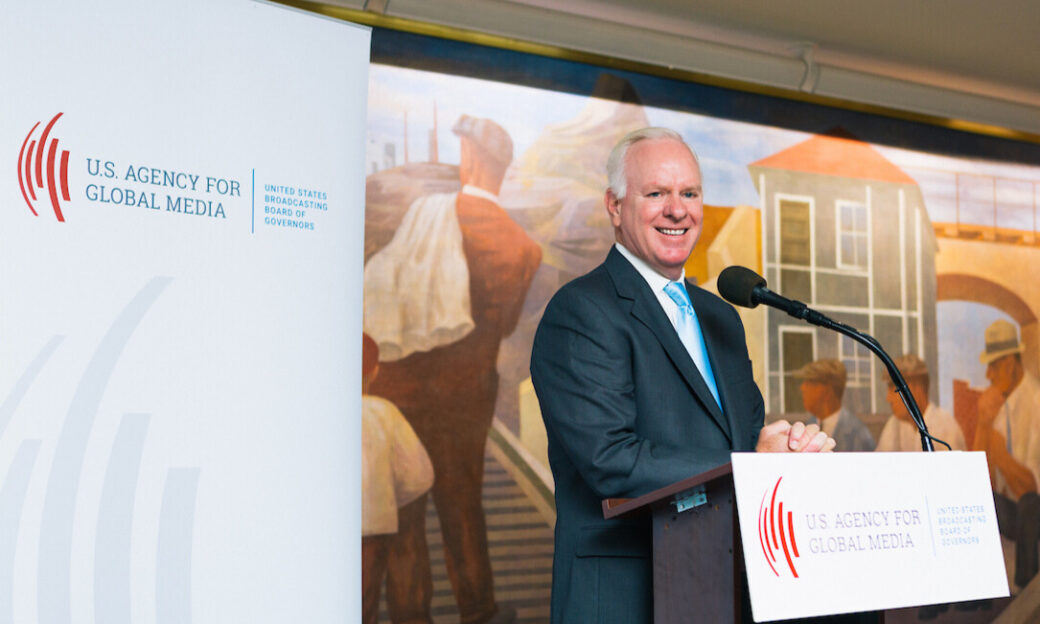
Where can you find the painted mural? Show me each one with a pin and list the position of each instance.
(484, 196)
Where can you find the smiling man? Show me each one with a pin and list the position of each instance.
(643, 379)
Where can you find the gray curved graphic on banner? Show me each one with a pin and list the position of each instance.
(59, 506)
(17, 393)
(115, 520)
(173, 560)
(12, 500)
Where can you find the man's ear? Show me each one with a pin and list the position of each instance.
(613, 205)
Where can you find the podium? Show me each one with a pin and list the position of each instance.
(921, 530)
(697, 561)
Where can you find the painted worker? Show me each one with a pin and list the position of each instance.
(637, 387)
(823, 386)
(900, 433)
(1008, 430)
(448, 392)
(396, 473)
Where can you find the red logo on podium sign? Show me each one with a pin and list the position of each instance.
(776, 531)
(34, 177)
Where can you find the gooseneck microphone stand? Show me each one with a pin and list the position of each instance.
(807, 314)
(742, 286)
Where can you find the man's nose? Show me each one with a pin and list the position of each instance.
(674, 207)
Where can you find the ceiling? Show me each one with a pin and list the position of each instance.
(971, 64)
(990, 47)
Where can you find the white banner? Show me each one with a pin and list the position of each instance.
(846, 532)
(180, 276)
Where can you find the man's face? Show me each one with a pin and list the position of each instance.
(660, 217)
(917, 389)
(813, 394)
(1002, 373)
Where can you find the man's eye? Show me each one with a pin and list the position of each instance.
(654, 194)
(691, 194)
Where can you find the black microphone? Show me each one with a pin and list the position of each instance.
(743, 287)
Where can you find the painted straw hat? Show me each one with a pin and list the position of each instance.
(1001, 340)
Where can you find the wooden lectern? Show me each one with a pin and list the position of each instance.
(698, 564)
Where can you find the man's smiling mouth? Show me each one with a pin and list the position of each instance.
(672, 232)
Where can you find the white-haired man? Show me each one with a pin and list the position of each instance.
(638, 388)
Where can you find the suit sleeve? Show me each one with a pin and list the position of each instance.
(582, 369)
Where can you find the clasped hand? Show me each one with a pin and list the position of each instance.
(783, 437)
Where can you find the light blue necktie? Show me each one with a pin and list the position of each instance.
(689, 330)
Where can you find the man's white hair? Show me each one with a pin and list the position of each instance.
(616, 161)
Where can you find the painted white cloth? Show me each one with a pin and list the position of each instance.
(395, 469)
(1019, 423)
(417, 287)
(899, 435)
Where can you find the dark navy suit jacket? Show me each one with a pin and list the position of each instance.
(627, 412)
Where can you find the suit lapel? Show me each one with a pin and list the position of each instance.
(646, 308)
(713, 330)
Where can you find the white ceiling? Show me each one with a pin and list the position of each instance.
(967, 45)
(967, 60)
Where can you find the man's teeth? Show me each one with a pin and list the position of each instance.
(678, 232)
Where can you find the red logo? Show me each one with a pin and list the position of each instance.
(33, 177)
(776, 532)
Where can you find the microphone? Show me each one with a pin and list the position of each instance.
(743, 287)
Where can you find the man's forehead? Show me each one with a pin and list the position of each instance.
(691, 184)
(675, 149)
(663, 160)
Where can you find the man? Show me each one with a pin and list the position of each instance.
(823, 386)
(1008, 431)
(626, 408)
(448, 392)
(900, 432)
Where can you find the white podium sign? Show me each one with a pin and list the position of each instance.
(848, 532)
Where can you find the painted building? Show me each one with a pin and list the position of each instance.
(845, 231)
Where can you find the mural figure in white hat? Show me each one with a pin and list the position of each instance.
(1009, 431)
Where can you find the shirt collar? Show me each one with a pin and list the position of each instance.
(655, 280)
(476, 191)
